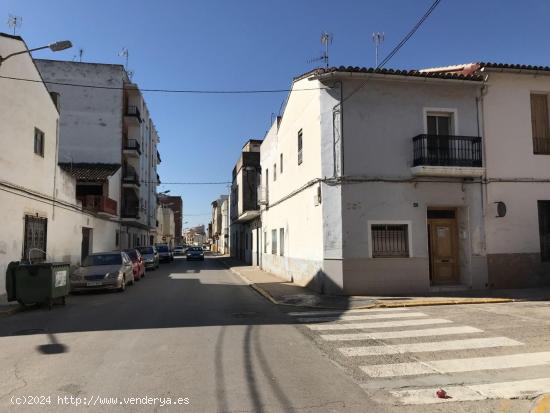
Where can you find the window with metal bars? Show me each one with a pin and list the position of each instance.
(390, 240)
(34, 247)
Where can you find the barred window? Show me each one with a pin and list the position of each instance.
(390, 240)
(274, 241)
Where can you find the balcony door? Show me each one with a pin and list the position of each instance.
(439, 125)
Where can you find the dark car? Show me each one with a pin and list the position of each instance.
(165, 254)
(150, 256)
(195, 253)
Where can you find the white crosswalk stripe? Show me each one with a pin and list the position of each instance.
(410, 333)
(503, 390)
(361, 317)
(429, 346)
(444, 331)
(458, 365)
(352, 311)
(378, 324)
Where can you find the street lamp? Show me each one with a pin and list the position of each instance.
(54, 47)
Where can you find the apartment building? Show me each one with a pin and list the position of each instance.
(372, 183)
(42, 213)
(516, 128)
(105, 123)
(244, 211)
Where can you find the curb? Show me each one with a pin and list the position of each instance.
(541, 404)
(9, 311)
(396, 304)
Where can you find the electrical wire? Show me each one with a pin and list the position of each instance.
(183, 91)
(398, 46)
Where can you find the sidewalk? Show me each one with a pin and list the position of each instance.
(286, 293)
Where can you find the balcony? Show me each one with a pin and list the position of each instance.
(130, 178)
(457, 156)
(130, 213)
(131, 148)
(101, 205)
(132, 115)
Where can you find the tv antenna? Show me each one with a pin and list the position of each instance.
(326, 40)
(377, 39)
(80, 53)
(124, 53)
(14, 22)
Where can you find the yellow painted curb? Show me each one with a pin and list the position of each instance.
(542, 404)
(419, 303)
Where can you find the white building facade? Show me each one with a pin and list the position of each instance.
(106, 122)
(378, 193)
(41, 215)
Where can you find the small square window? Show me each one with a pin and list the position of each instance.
(390, 240)
(38, 142)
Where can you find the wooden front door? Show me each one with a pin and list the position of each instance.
(443, 251)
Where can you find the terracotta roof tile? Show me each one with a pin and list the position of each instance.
(91, 172)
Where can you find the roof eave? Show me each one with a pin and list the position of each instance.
(384, 76)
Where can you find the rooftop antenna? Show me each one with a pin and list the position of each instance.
(124, 53)
(326, 40)
(80, 53)
(377, 39)
(14, 22)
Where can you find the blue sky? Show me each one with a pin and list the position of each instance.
(245, 44)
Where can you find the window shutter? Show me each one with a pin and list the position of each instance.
(540, 123)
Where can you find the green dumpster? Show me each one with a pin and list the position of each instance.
(42, 283)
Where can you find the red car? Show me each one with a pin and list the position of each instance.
(138, 266)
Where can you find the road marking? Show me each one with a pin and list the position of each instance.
(336, 312)
(402, 334)
(361, 317)
(429, 346)
(379, 324)
(504, 390)
(458, 365)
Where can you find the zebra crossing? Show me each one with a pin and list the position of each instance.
(365, 337)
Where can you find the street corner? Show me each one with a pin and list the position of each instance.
(541, 404)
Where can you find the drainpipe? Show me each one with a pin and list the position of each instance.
(338, 108)
(481, 128)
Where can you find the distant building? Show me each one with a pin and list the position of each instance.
(100, 127)
(215, 227)
(165, 233)
(244, 209)
(175, 203)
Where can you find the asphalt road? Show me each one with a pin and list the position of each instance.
(190, 331)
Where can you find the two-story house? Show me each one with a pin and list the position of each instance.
(244, 212)
(516, 128)
(104, 123)
(372, 183)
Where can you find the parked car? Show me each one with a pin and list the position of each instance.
(179, 250)
(165, 254)
(103, 270)
(137, 263)
(150, 257)
(195, 253)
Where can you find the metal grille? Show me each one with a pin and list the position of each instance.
(35, 237)
(390, 240)
(437, 150)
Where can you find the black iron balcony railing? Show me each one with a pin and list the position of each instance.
(439, 150)
(132, 144)
(130, 176)
(130, 212)
(133, 111)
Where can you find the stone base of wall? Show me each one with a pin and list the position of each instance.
(391, 276)
(517, 270)
(296, 270)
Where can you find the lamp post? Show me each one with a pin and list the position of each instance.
(54, 47)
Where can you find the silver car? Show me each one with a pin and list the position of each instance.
(103, 270)
(150, 257)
